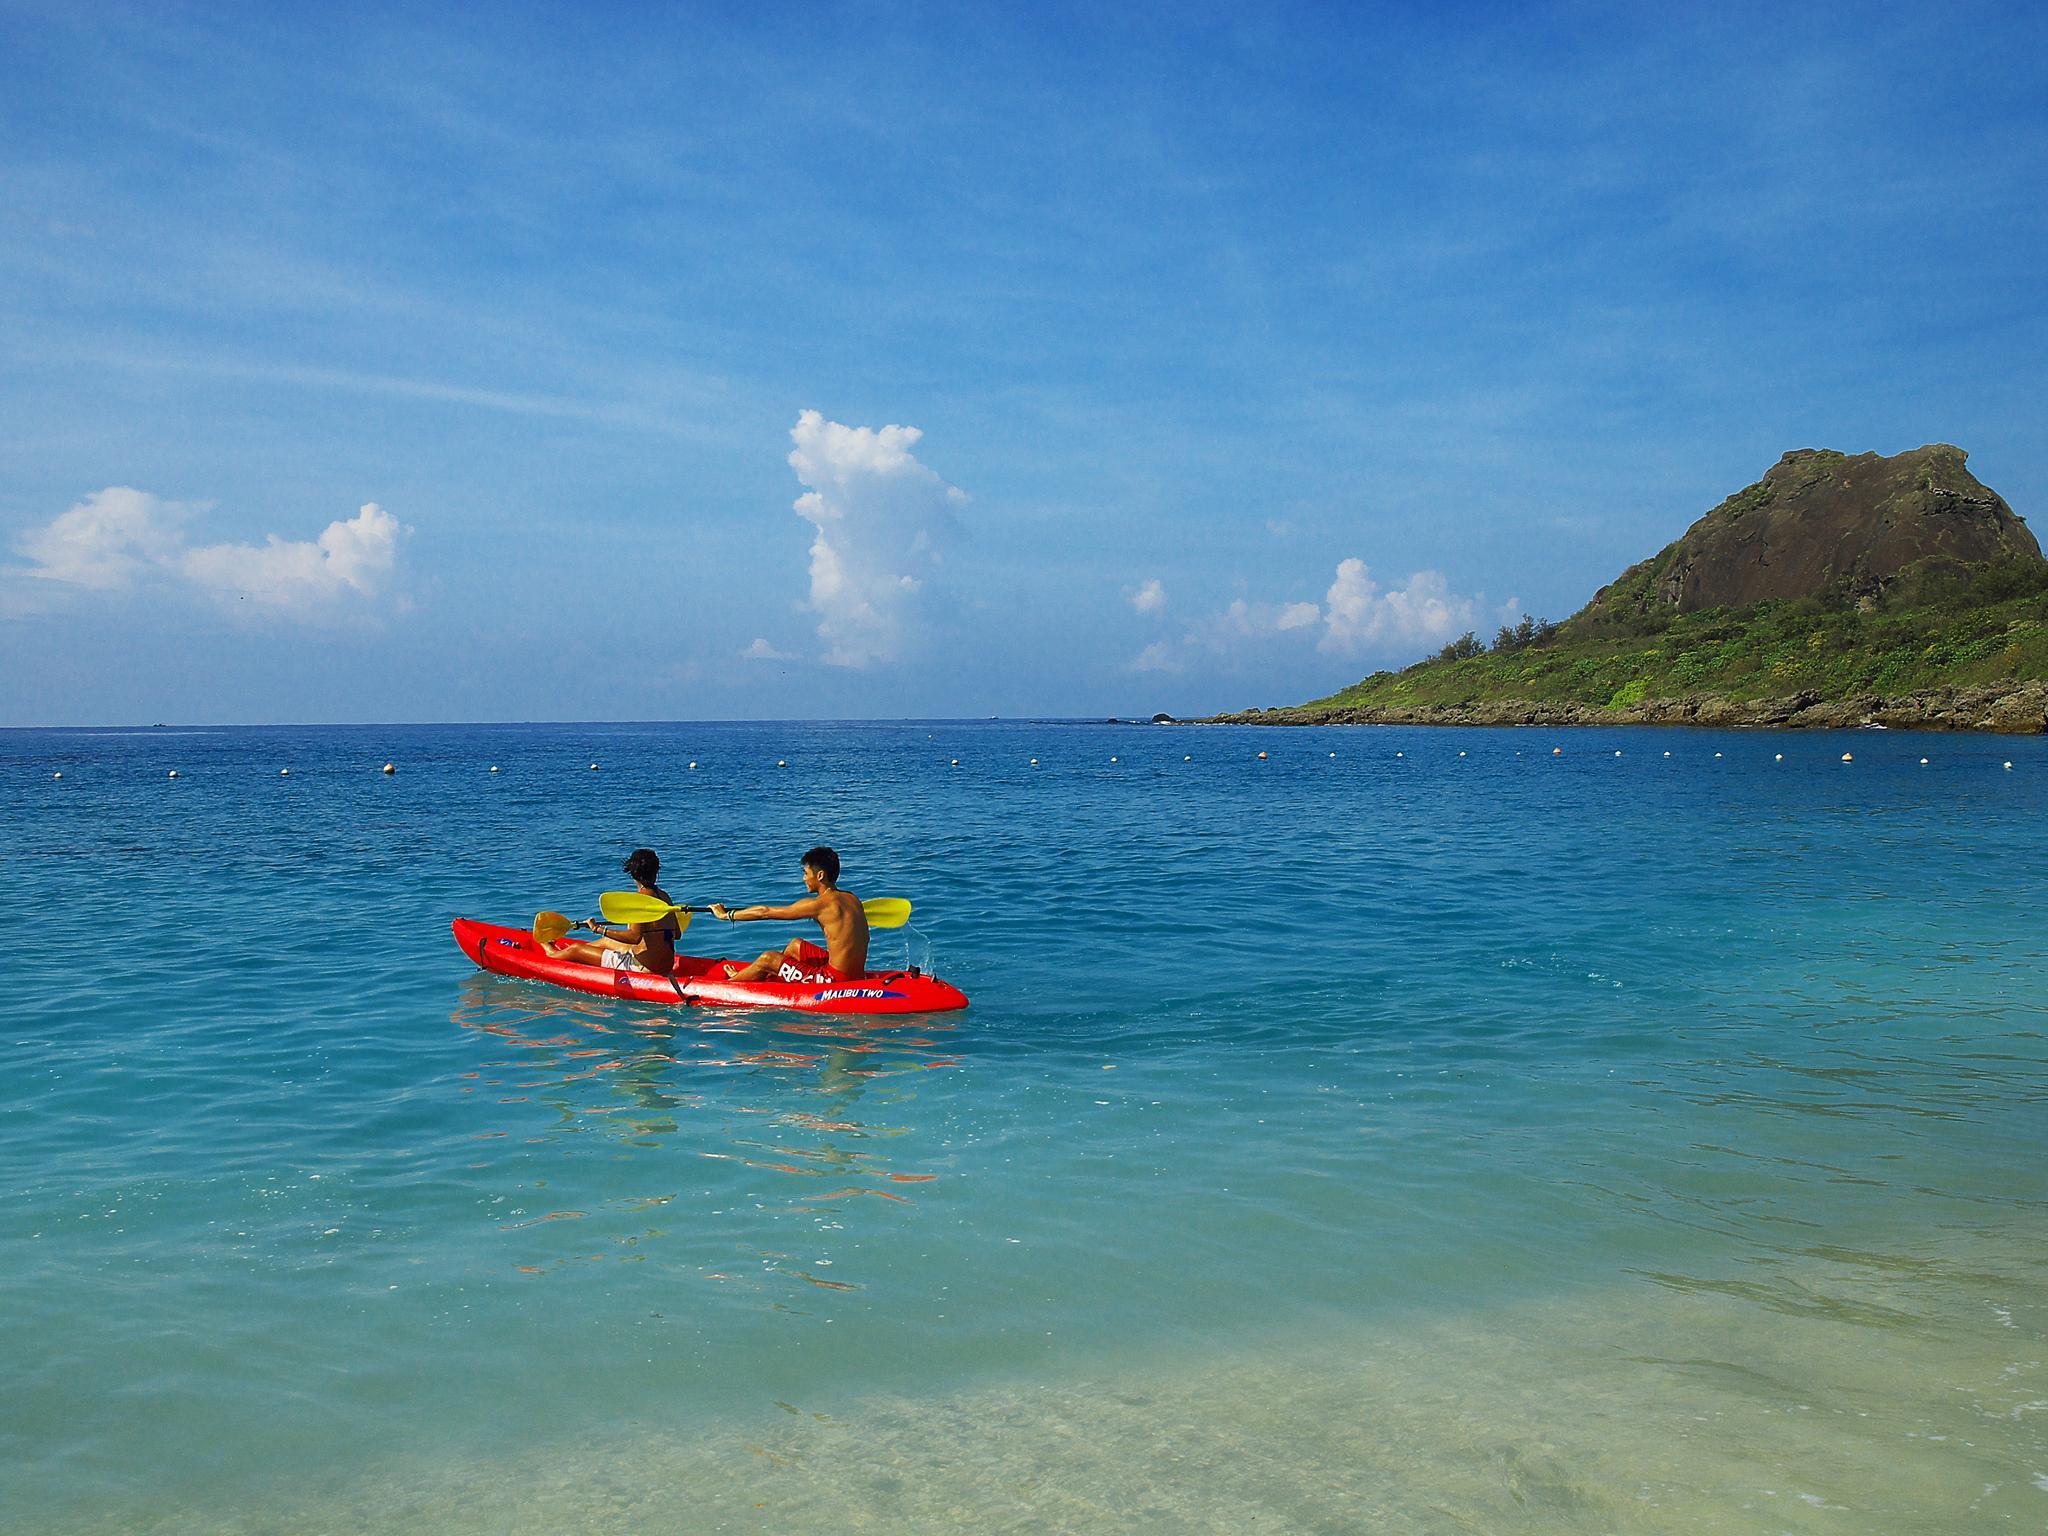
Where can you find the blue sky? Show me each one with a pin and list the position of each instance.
(470, 362)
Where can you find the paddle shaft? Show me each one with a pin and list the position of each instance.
(632, 907)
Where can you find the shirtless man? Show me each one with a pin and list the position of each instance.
(637, 946)
(837, 912)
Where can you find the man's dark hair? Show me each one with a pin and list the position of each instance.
(643, 865)
(825, 862)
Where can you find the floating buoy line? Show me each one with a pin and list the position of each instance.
(390, 769)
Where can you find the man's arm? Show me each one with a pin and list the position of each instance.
(795, 912)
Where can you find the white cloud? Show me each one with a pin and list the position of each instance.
(1156, 657)
(761, 650)
(1149, 598)
(1243, 618)
(292, 575)
(882, 518)
(119, 536)
(105, 541)
(1356, 614)
(1362, 616)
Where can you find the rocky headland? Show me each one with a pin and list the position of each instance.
(1836, 591)
(2020, 710)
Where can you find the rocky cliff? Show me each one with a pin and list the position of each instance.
(1821, 522)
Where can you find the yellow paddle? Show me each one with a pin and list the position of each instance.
(632, 907)
(551, 926)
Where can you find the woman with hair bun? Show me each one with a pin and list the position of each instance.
(636, 946)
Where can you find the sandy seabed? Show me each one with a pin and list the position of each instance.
(1846, 1392)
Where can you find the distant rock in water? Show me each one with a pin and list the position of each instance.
(1821, 521)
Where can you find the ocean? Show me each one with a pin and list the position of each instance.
(1409, 1130)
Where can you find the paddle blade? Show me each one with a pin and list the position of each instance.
(886, 911)
(550, 926)
(632, 907)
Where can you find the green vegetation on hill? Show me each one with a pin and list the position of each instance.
(1935, 626)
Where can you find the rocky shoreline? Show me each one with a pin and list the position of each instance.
(2016, 709)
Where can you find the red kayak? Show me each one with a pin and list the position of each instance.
(515, 952)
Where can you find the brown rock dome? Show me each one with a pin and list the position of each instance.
(1822, 521)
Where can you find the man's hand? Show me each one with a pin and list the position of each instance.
(719, 911)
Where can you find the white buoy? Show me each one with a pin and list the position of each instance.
(1333, 754)
(1617, 754)
(780, 763)
(1717, 754)
(1667, 754)
(494, 767)
(1034, 762)
(174, 773)
(2008, 767)
(1188, 759)
(1557, 751)
(1461, 754)
(391, 768)
(1112, 759)
(495, 770)
(1779, 758)
(593, 767)
(56, 775)
(1923, 762)
(1262, 757)
(1848, 758)
(956, 762)
(284, 773)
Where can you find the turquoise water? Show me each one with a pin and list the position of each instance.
(1389, 1139)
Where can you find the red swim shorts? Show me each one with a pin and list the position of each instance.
(808, 962)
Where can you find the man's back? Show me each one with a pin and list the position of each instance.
(846, 931)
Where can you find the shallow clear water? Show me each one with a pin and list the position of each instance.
(1414, 1141)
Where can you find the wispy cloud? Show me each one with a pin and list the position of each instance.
(565, 407)
(881, 519)
(1149, 598)
(1243, 620)
(1156, 657)
(761, 650)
